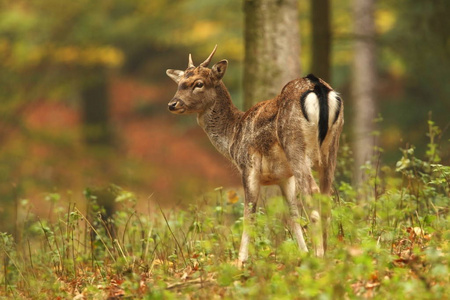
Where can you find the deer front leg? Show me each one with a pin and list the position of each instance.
(251, 189)
(288, 190)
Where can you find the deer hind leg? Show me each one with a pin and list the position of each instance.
(316, 226)
(325, 180)
(289, 193)
(326, 176)
(306, 186)
(251, 189)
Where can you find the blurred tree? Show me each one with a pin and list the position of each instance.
(52, 49)
(363, 84)
(272, 48)
(55, 50)
(419, 46)
(321, 38)
(67, 51)
(95, 112)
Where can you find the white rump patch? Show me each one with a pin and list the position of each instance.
(333, 107)
(312, 108)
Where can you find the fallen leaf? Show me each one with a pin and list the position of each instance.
(418, 231)
(232, 197)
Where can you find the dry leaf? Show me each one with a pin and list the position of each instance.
(232, 197)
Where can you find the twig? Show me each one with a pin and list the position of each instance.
(121, 251)
(126, 227)
(99, 236)
(173, 235)
(15, 265)
(107, 229)
(147, 242)
(31, 258)
(190, 282)
(340, 226)
(374, 216)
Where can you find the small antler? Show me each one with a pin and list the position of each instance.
(191, 63)
(208, 60)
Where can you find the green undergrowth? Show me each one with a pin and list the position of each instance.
(389, 239)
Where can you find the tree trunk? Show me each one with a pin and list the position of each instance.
(272, 48)
(97, 135)
(95, 112)
(321, 38)
(363, 85)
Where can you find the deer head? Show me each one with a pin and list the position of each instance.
(196, 85)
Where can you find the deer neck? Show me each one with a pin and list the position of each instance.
(219, 120)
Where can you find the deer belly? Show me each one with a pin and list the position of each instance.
(274, 167)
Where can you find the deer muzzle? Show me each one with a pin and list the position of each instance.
(176, 106)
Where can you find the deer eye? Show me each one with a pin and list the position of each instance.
(199, 84)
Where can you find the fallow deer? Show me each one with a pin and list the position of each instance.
(277, 141)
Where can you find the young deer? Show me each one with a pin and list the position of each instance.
(276, 141)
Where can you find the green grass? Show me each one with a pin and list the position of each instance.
(389, 240)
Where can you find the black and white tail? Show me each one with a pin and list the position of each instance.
(321, 106)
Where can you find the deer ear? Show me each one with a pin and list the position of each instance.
(175, 74)
(218, 70)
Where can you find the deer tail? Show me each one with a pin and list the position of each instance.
(321, 106)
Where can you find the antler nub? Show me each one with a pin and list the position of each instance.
(208, 60)
(191, 63)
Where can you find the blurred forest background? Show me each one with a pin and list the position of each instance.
(83, 91)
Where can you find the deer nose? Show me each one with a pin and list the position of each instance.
(173, 105)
